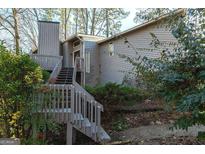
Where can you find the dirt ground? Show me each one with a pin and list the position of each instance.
(158, 134)
(149, 124)
(144, 124)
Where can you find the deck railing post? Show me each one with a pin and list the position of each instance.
(69, 135)
(72, 103)
(82, 113)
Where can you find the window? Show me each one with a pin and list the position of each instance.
(111, 49)
(76, 43)
(87, 61)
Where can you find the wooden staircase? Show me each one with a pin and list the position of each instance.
(66, 101)
(65, 76)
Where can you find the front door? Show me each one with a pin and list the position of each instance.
(75, 54)
(78, 74)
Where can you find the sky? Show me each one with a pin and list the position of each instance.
(128, 22)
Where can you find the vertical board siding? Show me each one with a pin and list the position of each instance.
(114, 68)
(67, 56)
(49, 43)
(92, 78)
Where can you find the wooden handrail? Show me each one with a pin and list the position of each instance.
(84, 106)
(79, 60)
(46, 61)
(73, 103)
(40, 55)
(78, 65)
(56, 70)
(49, 62)
(54, 101)
(83, 103)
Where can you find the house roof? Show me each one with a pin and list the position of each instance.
(100, 39)
(85, 37)
(178, 11)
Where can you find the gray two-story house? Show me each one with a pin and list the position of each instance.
(86, 59)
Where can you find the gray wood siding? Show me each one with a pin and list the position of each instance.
(92, 78)
(113, 68)
(49, 43)
(67, 56)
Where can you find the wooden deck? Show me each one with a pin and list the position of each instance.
(71, 104)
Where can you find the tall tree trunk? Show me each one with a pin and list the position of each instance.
(86, 21)
(16, 30)
(65, 26)
(93, 22)
(107, 22)
(76, 22)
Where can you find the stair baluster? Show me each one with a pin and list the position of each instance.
(68, 102)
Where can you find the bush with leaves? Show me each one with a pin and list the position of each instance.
(115, 94)
(120, 123)
(179, 76)
(19, 77)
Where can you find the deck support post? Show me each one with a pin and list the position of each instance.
(34, 125)
(69, 135)
(74, 136)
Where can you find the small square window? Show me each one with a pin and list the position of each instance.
(111, 49)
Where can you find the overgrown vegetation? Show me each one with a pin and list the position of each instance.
(46, 76)
(115, 94)
(179, 75)
(19, 78)
(45, 131)
(120, 124)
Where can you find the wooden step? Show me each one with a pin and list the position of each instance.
(86, 122)
(64, 78)
(65, 75)
(103, 136)
(65, 83)
(67, 70)
(62, 81)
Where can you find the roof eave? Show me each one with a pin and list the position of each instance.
(80, 35)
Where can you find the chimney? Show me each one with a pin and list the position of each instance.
(48, 38)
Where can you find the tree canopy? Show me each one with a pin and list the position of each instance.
(18, 27)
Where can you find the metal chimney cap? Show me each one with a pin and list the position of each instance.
(54, 22)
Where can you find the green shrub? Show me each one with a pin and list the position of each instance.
(178, 75)
(120, 124)
(115, 94)
(19, 77)
(46, 75)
